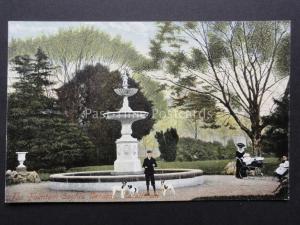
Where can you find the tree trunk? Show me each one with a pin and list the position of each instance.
(256, 145)
(196, 130)
(256, 128)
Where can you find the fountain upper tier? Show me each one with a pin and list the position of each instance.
(126, 113)
(126, 91)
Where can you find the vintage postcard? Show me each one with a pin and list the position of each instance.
(147, 111)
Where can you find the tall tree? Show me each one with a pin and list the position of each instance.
(233, 62)
(91, 93)
(35, 123)
(70, 49)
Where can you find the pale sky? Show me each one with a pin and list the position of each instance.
(139, 33)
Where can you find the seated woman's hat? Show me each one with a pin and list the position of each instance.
(240, 145)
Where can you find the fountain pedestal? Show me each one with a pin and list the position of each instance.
(127, 147)
(127, 156)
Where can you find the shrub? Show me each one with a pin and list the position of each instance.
(167, 142)
(190, 149)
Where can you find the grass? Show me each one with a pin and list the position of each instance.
(91, 168)
(209, 167)
(44, 176)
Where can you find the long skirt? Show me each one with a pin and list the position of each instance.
(240, 169)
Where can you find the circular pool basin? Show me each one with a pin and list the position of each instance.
(105, 180)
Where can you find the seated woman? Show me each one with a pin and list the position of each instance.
(283, 168)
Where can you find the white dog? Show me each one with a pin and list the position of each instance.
(166, 187)
(119, 188)
(132, 190)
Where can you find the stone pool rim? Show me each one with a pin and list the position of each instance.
(88, 177)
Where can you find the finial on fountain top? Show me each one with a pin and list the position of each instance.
(125, 91)
(124, 74)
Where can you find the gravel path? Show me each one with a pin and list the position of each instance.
(213, 186)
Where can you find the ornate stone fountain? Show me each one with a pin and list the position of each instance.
(127, 166)
(127, 147)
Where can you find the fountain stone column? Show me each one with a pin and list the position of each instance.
(127, 147)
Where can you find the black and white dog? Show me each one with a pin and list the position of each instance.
(120, 188)
(164, 186)
(132, 190)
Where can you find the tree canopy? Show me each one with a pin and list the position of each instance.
(153, 92)
(71, 49)
(236, 63)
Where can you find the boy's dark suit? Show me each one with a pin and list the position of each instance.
(149, 165)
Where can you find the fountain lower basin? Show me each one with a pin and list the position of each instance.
(105, 180)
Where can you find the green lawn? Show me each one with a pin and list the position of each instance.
(208, 166)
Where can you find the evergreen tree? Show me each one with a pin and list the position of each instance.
(167, 144)
(35, 123)
(275, 138)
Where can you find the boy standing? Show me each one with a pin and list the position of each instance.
(149, 164)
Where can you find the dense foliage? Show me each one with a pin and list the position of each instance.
(190, 149)
(36, 124)
(167, 142)
(275, 138)
(202, 110)
(154, 93)
(88, 95)
(72, 48)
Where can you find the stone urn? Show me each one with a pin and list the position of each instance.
(21, 159)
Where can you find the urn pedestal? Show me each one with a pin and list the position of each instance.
(21, 159)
